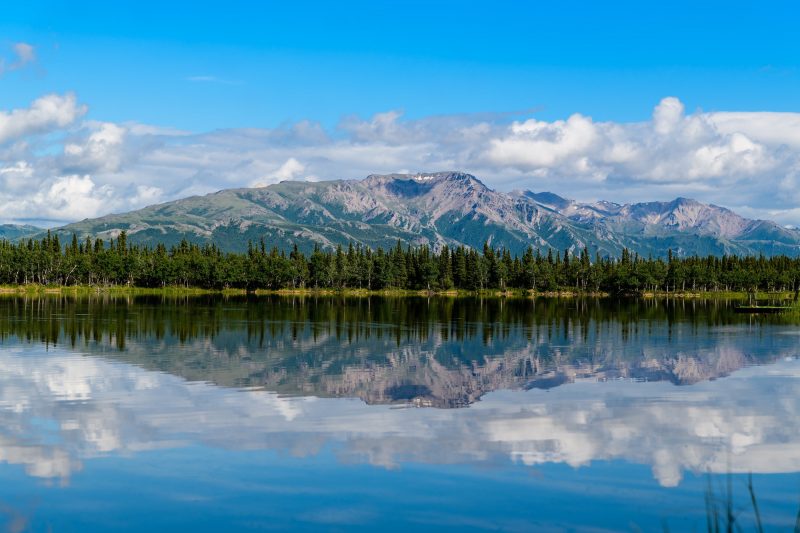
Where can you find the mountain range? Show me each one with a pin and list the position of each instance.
(443, 208)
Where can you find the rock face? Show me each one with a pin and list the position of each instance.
(443, 208)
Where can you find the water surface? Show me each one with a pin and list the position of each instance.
(331, 413)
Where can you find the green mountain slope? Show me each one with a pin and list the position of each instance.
(15, 232)
(449, 208)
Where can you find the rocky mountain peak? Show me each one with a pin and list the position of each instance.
(437, 208)
(428, 179)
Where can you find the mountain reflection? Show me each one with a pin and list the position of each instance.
(436, 352)
(58, 410)
(84, 378)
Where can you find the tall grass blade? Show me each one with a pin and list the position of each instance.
(729, 518)
(752, 492)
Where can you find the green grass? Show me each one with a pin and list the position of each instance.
(32, 289)
(121, 290)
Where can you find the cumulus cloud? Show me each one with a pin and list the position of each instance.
(746, 161)
(45, 114)
(671, 148)
(536, 145)
(718, 157)
(100, 151)
(776, 129)
(667, 115)
(292, 169)
(60, 198)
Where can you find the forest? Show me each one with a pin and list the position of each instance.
(117, 262)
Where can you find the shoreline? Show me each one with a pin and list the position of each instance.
(83, 290)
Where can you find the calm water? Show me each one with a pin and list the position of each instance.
(366, 414)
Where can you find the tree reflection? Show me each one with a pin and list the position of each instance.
(444, 352)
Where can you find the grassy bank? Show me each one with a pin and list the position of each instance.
(122, 290)
(731, 295)
(115, 290)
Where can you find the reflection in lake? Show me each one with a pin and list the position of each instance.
(437, 352)
(681, 388)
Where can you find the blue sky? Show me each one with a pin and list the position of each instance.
(266, 63)
(111, 106)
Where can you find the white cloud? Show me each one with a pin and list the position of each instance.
(147, 195)
(774, 129)
(48, 113)
(736, 154)
(102, 150)
(61, 198)
(536, 144)
(672, 148)
(667, 115)
(71, 196)
(382, 127)
(747, 161)
(16, 177)
(292, 169)
(703, 154)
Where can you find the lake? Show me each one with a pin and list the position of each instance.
(336, 414)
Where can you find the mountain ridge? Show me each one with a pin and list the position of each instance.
(15, 232)
(440, 208)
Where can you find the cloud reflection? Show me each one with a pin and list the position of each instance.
(59, 409)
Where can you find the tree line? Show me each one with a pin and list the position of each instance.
(117, 262)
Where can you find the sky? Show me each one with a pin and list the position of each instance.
(111, 106)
